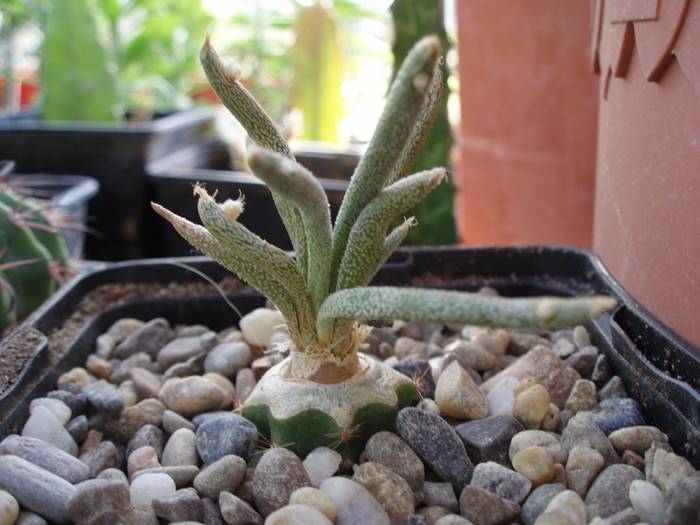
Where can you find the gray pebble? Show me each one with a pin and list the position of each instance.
(78, 428)
(613, 414)
(147, 436)
(223, 475)
(583, 360)
(437, 444)
(149, 338)
(99, 501)
(537, 501)
(602, 370)
(46, 456)
(501, 481)
(440, 494)
(279, 473)
(228, 358)
(181, 475)
(184, 505)
(173, 421)
(489, 439)
(392, 452)
(104, 397)
(180, 449)
(224, 436)
(235, 510)
(609, 493)
(581, 430)
(612, 389)
(35, 488)
(102, 456)
(683, 502)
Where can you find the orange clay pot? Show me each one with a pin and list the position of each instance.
(528, 135)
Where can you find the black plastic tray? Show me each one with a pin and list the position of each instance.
(116, 155)
(659, 369)
(172, 178)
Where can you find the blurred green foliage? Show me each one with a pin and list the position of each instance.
(317, 65)
(75, 68)
(133, 55)
(414, 19)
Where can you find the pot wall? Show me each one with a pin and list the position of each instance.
(528, 122)
(647, 213)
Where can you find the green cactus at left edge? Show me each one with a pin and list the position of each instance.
(31, 252)
(326, 393)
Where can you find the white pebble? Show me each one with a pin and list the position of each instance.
(42, 424)
(500, 398)
(354, 503)
(9, 508)
(647, 501)
(148, 487)
(259, 325)
(297, 515)
(57, 407)
(322, 463)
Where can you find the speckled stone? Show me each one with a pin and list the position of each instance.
(278, 474)
(391, 491)
(484, 508)
(434, 493)
(613, 414)
(146, 412)
(610, 490)
(581, 430)
(189, 396)
(582, 467)
(236, 511)
(538, 500)
(458, 395)
(501, 481)
(637, 439)
(437, 444)
(147, 436)
(392, 452)
(226, 435)
(683, 500)
(612, 389)
(100, 457)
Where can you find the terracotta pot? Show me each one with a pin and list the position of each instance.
(647, 213)
(528, 122)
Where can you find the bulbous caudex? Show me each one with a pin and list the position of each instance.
(326, 393)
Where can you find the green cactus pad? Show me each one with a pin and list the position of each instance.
(32, 283)
(278, 410)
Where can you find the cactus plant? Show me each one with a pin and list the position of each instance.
(326, 392)
(32, 255)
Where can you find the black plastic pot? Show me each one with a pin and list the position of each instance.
(172, 178)
(116, 155)
(67, 195)
(658, 369)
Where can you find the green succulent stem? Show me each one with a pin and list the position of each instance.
(411, 304)
(259, 126)
(404, 102)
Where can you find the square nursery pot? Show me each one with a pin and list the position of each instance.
(66, 195)
(657, 368)
(116, 155)
(172, 177)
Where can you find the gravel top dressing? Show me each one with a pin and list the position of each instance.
(508, 428)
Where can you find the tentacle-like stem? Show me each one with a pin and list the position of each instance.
(403, 106)
(420, 132)
(411, 304)
(300, 187)
(366, 240)
(251, 115)
(237, 239)
(199, 237)
(394, 240)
